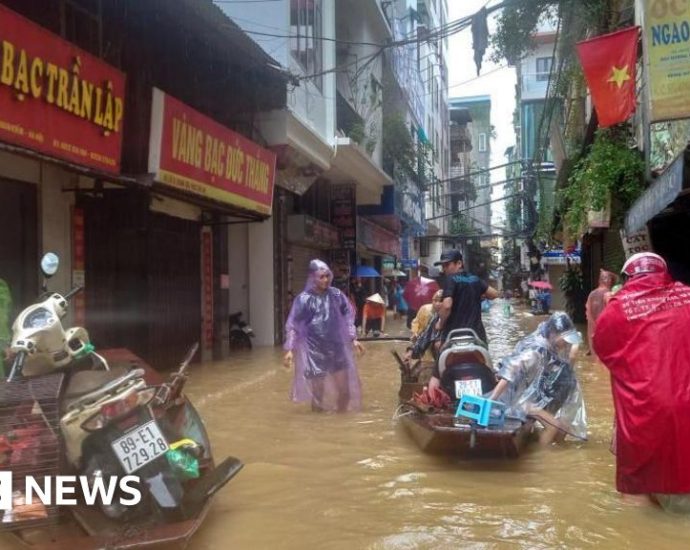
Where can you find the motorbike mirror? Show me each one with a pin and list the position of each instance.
(49, 264)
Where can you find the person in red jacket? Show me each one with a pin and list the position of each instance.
(642, 337)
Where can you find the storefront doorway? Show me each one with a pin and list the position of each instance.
(19, 241)
(143, 277)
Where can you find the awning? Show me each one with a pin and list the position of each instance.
(353, 164)
(659, 195)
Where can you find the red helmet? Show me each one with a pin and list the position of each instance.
(644, 262)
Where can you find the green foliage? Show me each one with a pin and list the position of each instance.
(460, 225)
(398, 145)
(515, 26)
(611, 171)
(571, 281)
(357, 132)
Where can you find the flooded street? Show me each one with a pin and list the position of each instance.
(358, 481)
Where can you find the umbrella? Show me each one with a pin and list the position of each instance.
(541, 284)
(394, 273)
(419, 291)
(366, 271)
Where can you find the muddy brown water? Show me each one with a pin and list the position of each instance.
(357, 481)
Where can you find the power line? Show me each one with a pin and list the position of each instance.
(475, 206)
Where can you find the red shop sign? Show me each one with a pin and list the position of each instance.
(57, 99)
(194, 153)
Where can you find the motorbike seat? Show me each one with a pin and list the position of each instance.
(87, 381)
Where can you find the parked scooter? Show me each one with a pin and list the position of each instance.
(464, 365)
(241, 333)
(114, 420)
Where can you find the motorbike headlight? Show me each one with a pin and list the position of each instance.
(39, 318)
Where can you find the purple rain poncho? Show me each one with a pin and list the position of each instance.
(319, 331)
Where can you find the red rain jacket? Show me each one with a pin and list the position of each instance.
(643, 338)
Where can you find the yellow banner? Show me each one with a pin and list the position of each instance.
(667, 50)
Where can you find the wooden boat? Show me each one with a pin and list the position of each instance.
(441, 432)
(87, 528)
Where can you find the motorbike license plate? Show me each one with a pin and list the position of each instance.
(468, 387)
(140, 446)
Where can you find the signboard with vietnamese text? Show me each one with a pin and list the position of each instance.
(57, 99)
(667, 57)
(637, 242)
(344, 213)
(193, 153)
(377, 238)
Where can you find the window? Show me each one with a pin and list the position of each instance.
(306, 30)
(482, 143)
(81, 24)
(423, 247)
(543, 68)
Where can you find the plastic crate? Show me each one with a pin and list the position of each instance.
(30, 440)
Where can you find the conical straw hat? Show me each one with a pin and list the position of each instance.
(376, 298)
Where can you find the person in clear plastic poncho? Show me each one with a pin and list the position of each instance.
(538, 380)
(320, 340)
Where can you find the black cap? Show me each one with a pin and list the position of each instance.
(449, 256)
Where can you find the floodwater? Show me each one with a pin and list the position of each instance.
(357, 481)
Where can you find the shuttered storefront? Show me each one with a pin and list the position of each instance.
(19, 241)
(298, 266)
(142, 277)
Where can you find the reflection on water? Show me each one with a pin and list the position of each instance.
(357, 481)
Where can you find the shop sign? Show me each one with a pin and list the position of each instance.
(659, 195)
(376, 238)
(388, 264)
(57, 99)
(344, 213)
(192, 152)
(207, 288)
(560, 257)
(409, 263)
(340, 266)
(308, 230)
(636, 242)
(667, 52)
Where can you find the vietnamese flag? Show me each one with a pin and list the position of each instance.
(608, 62)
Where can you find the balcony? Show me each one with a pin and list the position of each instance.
(534, 85)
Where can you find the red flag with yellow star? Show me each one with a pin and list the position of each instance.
(608, 62)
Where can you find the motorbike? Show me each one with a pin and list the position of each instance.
(108, 414)
(241, 333)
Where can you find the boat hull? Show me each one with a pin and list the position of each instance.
(440, 434)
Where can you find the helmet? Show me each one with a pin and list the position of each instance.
(644, 262)
(559, 323)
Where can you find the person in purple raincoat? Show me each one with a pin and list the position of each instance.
(320, 341)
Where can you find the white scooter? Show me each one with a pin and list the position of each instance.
(39, 340)
(114, 421)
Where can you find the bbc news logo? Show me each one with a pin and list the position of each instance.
(63, 490)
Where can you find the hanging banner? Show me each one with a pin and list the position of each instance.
(207, 288)
(192, 152)
(58, 99)
(667, 57)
